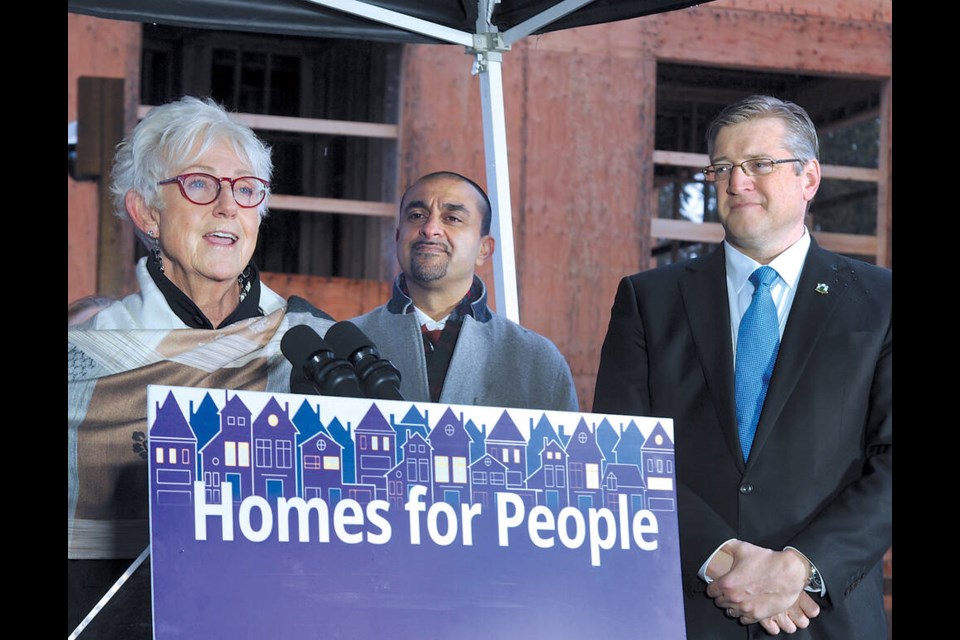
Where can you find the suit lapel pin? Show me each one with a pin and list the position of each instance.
(822, 289)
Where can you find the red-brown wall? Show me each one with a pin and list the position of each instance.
(100, 48)
(580, 108)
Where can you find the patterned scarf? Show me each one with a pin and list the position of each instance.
(107, 376)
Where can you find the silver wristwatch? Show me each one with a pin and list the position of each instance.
(815, 583)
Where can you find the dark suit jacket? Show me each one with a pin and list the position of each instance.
(819, 475)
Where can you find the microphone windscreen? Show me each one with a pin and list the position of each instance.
(346, 339)
(300, 343)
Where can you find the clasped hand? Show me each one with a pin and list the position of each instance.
(755, 584)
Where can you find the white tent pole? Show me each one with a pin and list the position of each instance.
(489, 66)
(498, 184)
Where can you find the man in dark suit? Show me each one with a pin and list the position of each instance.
(784, 528)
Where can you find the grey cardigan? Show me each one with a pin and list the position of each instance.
(496, 362)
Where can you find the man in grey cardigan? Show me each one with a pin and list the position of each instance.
(437, 328)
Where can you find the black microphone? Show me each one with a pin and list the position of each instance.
(378, 377)
(316, 365)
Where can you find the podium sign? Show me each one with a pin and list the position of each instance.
(288, 516)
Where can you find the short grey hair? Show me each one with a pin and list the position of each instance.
(174, 135)
(801, 134)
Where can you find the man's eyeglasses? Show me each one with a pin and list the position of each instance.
(755, 167)
(203, 188)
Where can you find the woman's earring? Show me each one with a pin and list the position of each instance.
(156, 250)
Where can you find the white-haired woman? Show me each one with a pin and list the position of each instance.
(195, 184)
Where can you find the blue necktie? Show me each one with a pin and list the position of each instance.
(758, 341)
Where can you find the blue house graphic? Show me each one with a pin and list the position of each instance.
(451, 458)
(274, 446)
(226, 457)
(415, 469)
(173, 450)
(274, 456)
(376, 444)
(583, 466)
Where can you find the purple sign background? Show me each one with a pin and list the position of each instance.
(281, 515)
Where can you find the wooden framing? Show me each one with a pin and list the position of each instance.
(100, 118)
